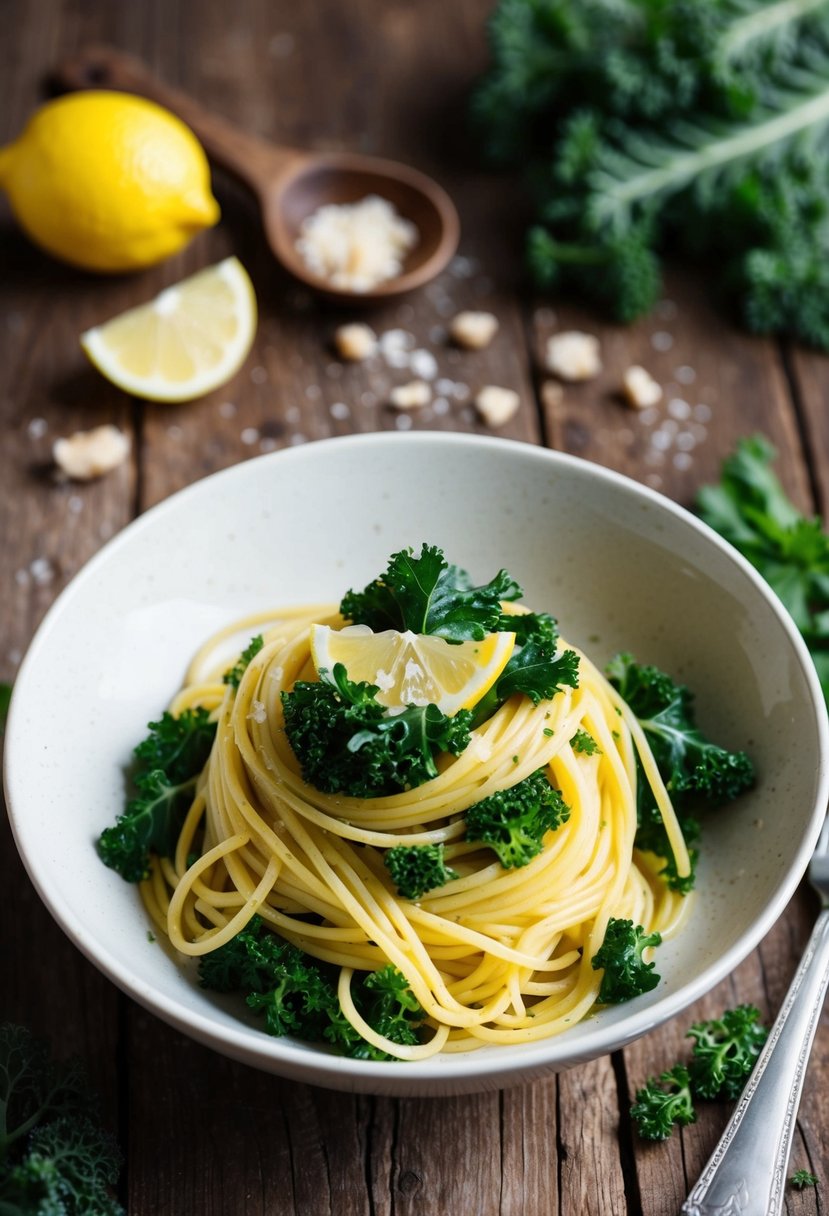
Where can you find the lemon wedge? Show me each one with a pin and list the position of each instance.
(414, 668)
(187, 341)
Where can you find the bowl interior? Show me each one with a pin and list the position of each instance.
(620, 567)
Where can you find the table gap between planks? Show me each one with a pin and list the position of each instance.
(204, 1136)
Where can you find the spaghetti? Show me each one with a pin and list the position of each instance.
(496, 955)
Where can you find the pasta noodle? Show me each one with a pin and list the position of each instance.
(496, 955)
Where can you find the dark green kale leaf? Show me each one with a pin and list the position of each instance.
(514, 821)
(536, 668)
(168, 763)
(664, 1103)
(234, 674)
(725, 1051)
(750, 509)
(695, 770)
(297, 995)
(416, 869)
(626, 974)
(347, 742)
(426, 595)
(55, 1159)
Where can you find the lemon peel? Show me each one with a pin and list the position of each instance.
(108, 181)
(186, 342)
(414, 668)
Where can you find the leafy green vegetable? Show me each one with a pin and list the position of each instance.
(514, 821)
(347, 742)
(234, 674)
(626, 974)
(725, 1051)
(5, 701)
(416, 869)
(750, 509)
(694, 769)
(800, 1179)
(55, 1159)
(297, 995)
(536, 668)
(696, 127)
(426, 595)
(168, 763)
(664, 1103)
(584, 742)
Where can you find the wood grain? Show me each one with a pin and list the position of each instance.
(204, 1136)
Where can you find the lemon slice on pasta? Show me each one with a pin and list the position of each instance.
(414, 668)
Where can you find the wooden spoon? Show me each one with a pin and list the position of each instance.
(291, 185)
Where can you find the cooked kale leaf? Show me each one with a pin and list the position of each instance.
(416, 869)
(620, 956)
(513, 822)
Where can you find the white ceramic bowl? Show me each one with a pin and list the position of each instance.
(621, 567)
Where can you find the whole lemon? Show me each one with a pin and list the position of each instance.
(108, 181)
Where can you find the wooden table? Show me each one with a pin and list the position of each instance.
(388, 77)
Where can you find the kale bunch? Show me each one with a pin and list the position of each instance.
(695, 125)
(416, 869)
(514, 821)
(55, 1158)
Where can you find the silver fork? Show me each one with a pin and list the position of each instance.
(746, 1173)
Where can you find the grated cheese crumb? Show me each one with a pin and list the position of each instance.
(258, 712)
(473, 330)
(355, 342)
(356, 246)
(640, 389)
(573, 355)
(89, 454)
(411, 396)
(497, 405)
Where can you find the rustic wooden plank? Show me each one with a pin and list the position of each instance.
(810, 373)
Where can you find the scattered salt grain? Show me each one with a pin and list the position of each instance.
(174, 432)
(42, 571)
(37, 428)
(355, 341)
(682, 461)
(685, 375)
(297, 439)
(249, 436)
(356, 246)
(89, 454)
(662, 340)
(440, 405)
(423, 364)
(258, 375)
(573, 355)
(640, 389)
(473, 330)
(313, 392)
(497, 405)
(702, 412)
(403, 422)
(227, 409)
(340, 410)
(678, 408)
(411, 396)
(75, 504)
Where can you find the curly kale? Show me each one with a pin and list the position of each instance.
(800, 1179)
(55, 1159)
(297, 995)
(168, 763)
(620, 956)
(663, 1103)
(750, 509)
(347, 742)
(425, 594)
(725, 1051)
(416, 869)
(695, 770)
(695, 127)
(234, 674)
(536, 668)
(513, 822)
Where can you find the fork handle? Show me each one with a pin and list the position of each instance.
(746, 1173)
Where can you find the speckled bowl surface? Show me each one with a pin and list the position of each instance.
(620, 567)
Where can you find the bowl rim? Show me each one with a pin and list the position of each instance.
(484, 1068)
